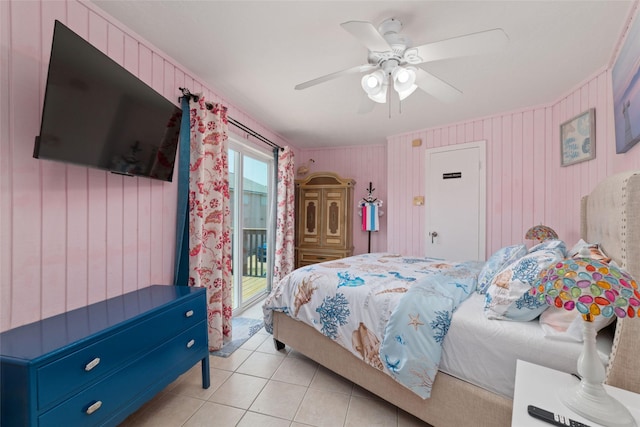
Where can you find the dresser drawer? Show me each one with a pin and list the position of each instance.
(313, 256)
(59, 379)
(316, 258)
(110, 394)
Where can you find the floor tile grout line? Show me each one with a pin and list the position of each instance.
(307, 387)
(270, 379)
(193, 414)
(254, 399)
(246, 411)
(299, 405)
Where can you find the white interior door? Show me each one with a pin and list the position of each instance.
(456, 202)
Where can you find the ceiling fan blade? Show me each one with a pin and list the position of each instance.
(436, 87)
(467, 45)
(367, 34)
(322, 79)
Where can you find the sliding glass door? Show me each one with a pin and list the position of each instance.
(250, 184)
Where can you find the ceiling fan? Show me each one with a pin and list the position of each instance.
(392, 60)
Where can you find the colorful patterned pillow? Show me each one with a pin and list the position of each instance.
(497, 261)
(565, 325)
(508, 294)
(550, 244)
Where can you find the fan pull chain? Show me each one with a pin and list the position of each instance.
(389, 95)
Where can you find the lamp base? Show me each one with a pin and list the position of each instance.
(592, 402)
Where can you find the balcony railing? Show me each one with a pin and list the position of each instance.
(255, 252)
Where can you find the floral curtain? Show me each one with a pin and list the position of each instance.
(210, 216)
(284, 245)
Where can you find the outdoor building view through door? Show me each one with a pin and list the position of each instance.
(250, 188)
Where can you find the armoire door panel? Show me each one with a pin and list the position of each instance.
(311, 208)
(334, 221)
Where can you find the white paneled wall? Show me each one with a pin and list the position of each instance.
(72, 235)
(525, 183)
(364, 164)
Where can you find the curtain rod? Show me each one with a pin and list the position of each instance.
(244, 128)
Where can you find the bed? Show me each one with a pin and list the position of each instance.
(610, 216)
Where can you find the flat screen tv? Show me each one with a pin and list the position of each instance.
(99, 115)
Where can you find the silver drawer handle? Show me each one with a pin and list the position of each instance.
(188, 313)
(89, 366)
(93, 408)
(191, 343)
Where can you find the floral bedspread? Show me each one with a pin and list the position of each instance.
(393, 312)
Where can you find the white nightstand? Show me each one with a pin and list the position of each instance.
(539, 386)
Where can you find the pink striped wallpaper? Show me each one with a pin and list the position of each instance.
(72, 235)
(525, 183)
(364, 164)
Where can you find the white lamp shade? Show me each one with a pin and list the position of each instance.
(372, 83)
(403, 94)
(375, 85)
(404, 79)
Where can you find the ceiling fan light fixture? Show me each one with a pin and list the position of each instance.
(403, 94)
(380, 97)
(371, 81)
(401, 75)
(375, 86)
(404, 79)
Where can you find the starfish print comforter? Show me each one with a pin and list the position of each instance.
(391, 311)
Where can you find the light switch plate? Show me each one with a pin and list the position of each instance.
(418, 200)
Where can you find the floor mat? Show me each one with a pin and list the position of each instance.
(242, 328)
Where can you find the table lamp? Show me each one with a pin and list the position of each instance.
(594, 289)
(540, 233)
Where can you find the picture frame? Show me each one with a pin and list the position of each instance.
(578, 139)
(626, 90)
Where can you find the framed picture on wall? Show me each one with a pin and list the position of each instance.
(626, 90)
(577, 138)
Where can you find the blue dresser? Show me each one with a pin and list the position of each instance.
(96, 365)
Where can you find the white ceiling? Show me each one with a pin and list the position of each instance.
(253, 53)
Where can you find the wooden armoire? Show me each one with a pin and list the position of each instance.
(324, 218)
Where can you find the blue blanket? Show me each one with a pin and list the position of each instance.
(412, 342)
(391, 311)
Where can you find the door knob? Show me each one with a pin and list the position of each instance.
(433, 234)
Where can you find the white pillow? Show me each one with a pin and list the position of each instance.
(583, 249)
(508, 295)
(564, 325)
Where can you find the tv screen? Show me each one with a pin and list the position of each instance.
(98, 114)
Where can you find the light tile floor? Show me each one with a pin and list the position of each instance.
(259, 386)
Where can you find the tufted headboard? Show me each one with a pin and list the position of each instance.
(610, 215)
